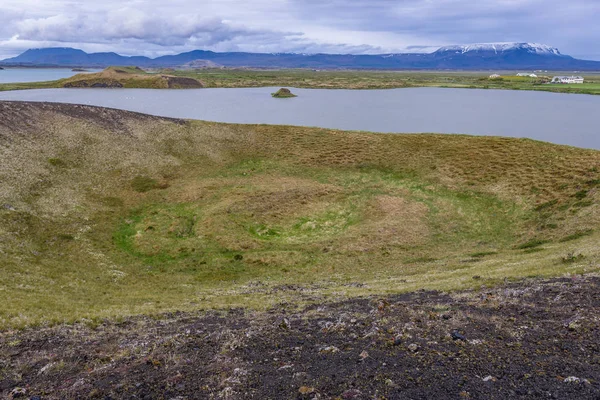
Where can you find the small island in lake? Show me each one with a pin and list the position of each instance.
(79, 70)
(283, 93)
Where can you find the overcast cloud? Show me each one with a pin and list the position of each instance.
(153, 28)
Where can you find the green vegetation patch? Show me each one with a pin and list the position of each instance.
(577, 235)
(531, 244)
(483, 254)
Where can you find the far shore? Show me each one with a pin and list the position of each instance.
(132, 77)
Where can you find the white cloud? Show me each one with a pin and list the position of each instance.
(153, 27)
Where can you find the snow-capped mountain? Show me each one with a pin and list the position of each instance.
(533, 48)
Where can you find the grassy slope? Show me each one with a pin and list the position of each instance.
(126, 77)
(230, 78)
(107, 213)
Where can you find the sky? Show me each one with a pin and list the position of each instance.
(158, 27)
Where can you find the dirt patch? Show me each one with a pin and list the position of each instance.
(537, 339)
(390, 221)
(285, 203)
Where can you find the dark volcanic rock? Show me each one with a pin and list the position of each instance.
(517, 348)
(176, 82)
(84, 84)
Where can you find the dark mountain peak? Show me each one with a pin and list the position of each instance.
(55, 50)
(490, 56)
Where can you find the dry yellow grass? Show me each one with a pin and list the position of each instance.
(107, 213)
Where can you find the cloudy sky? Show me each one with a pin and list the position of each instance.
(158, 27)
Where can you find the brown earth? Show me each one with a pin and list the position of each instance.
(528, 340)
(130, 78)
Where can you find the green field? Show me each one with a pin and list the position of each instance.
(230, 78)
(107, 214)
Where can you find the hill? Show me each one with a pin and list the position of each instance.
(107, 213)
(128, 77)
(307, 249)
(480, 56)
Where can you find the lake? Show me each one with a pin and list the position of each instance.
(559, 118)
(19, 75)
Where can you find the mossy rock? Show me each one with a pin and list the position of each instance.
(283, 93)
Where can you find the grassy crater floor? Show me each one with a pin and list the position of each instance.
(108, 214)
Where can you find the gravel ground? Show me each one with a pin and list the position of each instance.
(533, 339)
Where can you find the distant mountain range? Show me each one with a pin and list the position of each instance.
(487, 56)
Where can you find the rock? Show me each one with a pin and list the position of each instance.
(329, 350)
(18, 393)
(382, 305)
(397, 341)
(8, 207)
(413, 347)
(299, 375)
(306, 390)
(284, 323)
(489, 378)
(363, 355)
(283, 93)
(456, 335)
(351, 394)
(573, 326)
(574, 379)
(46, 368)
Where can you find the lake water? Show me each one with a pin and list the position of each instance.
(559, 118)
(20, 75)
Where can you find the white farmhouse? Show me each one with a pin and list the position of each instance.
(567, 79)
(527, 74)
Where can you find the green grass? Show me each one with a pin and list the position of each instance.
(531, 244)
(201, 215)
(577, 235)
(301, 78)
